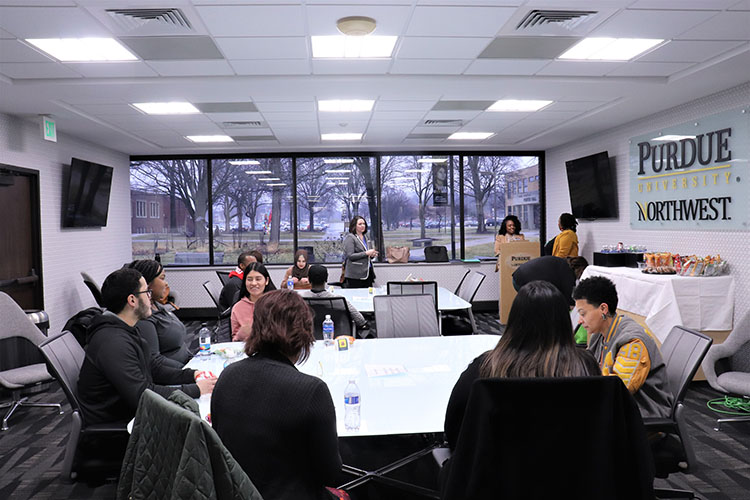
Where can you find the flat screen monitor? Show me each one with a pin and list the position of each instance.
(593, 187)
(86, 194)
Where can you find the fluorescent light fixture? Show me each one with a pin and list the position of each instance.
(518, 105)
(432, 160)
(470, 136)
(258, 172)
(339, 46)
(337, 183)
(416, 171)
(339, 171)
(209, 138)
(345, 105)
(83, 49)
(338, 178)
(610, 49)
(166, 108)
(335, 161)
(341, 137)
(269, 179)
(244, 162)
(672, 137)
(277, 184)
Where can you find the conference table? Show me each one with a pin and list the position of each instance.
(361, 298)
(405, 384)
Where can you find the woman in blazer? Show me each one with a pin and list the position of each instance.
(358, 253)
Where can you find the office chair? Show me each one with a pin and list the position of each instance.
(223, 331)
(467, 289)
(414, 287)
(223, 277)
(406, 316)
(336, 307)
(94, 288)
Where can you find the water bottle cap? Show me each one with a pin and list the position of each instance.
(328, 316)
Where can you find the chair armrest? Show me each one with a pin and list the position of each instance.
(105, 428)
(441, 455)
(655, 424)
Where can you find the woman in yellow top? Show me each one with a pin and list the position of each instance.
(566, 243)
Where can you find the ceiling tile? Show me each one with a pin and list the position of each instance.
(285, 106)
(344, 117)
(649, 69)
(452, 105)
(260, 20)
(741, 5)
(527, 47)
(429, 66)
(397, 115)
(683, 4)
(172, 120)
(37, 70)
(290, 116)
(688, 51)
(234, 117)
(105, 110)
(269, 67)
(17, 51)
(264, 47)
(343, 126)
(5, 35)
(350, 67)
(191, 68)
(579, 106)
(441, 48)
(506, 66)
(724, 26)
(112, 69)
(172, 48)
(579, 68)
(296, 134)
(474, 21)
(435, 130)
(493, 122)
(50, 22)
(321, 20)
(226, 107)
(133, 122)
(663, 24)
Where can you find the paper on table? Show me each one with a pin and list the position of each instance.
(384, 370)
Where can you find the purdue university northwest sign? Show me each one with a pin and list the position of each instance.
(692, 176)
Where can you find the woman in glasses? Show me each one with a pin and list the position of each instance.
(163, 331)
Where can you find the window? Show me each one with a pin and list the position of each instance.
(154, 210)
(140, 209)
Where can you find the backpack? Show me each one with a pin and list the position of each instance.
(78, 325)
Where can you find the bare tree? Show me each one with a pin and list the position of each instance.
(485, 174)
(314, 190)
(394, 206)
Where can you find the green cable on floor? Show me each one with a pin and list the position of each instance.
(729, 405)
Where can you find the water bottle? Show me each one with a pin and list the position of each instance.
(290, 283)
(204, 340)
(351, 406)
(328, 330)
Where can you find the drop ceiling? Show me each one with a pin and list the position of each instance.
(248, 66)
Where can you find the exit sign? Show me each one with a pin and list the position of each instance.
(49, 131)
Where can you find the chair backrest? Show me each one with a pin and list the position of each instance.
(223, 277)
(94, 288)
(470, 284)
(15, 322)
(213, 293)
(436, 253)
(578, 435)
(414, 288)
(336, 307)
(64, 357)
(406, 316)
(683, 351)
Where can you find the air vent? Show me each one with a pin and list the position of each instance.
(568, 19)
(132, 19)
(247, 124)
(443, 123)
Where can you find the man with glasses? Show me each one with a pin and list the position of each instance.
(118, 366)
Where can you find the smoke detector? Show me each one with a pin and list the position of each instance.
(356, 25)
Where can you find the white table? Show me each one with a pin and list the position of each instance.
(362, 299)
(410, 402)
(700, 303)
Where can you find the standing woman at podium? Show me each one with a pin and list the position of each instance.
(358, 255)
(510, 230)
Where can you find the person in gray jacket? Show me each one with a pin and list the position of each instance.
(358, 253)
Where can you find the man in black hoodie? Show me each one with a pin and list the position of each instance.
(118, 367)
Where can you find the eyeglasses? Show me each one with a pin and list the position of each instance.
(147, 292)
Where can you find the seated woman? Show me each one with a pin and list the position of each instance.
(566, 243)
(255, 283)
(163, 331)
(538, 342)
(279, 424)
(299, 271)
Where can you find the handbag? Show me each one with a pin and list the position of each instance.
(397, 254)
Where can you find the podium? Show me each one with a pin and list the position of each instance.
(512, 255)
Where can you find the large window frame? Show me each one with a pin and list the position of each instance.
(457, 245)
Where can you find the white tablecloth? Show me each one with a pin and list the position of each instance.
(411, 399)
(705, 303)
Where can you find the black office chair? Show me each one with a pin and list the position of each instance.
(223, 277)
(223, 330)
(683, 351)
(94, 288)
(336, 307)
(64, 357)
(436, 253)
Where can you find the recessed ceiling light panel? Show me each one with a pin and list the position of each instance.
(166, 108)
(244, 162)
(353, 46)
(209, 138)
(83, 49)
(341, 137)
(509, 105)
(345, 105)
(610, 49)
(470, 136)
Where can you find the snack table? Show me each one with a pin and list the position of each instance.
(699, 303)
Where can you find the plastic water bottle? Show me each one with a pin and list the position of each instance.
(290, 284)
(328, 330)
(204, 340)
(351, 406)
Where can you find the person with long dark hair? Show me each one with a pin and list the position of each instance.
(358, 255)
(298, 271)
(255, 283)
(537, 342)
(566, 243)
(279, 424)
(510, 230)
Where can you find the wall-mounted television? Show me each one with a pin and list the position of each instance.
(593, 187)
(86, 194)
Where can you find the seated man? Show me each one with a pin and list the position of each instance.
(118, 365)
(318, 276)
(622, 347)
(230, 294)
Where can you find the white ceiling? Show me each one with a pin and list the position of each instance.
(259, 51)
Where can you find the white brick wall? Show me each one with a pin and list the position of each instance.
(732, 245)
(67, 252)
